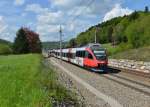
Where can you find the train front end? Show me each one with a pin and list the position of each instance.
(100, 59)
(97, 61)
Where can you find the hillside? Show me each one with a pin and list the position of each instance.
(140, 54)
(5, 47)
(4, 42)
(122, 33)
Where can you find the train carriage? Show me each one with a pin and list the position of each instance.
(91, 56)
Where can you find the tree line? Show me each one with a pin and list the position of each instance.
(132, 30)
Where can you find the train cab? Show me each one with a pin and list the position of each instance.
(96, 58)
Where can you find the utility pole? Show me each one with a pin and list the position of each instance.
(96, 35)
(60, 31)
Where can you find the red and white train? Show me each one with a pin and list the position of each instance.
(92, 56)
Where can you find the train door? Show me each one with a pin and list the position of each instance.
(79, 58)
(89, 60)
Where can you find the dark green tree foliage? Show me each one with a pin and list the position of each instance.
(21, 45)
(133, 16)
(72, 43)
(26, 41)
(109, 35)
(33, 41)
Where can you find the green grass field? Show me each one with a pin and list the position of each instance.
(26, 82)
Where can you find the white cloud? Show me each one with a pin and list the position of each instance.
(45, 29)
(65, 4)
(36, 8)
(6, 32)
(117, 11)
(49, 17)
(19, 2)
(64, 11)
(47, 21)
(3, 25)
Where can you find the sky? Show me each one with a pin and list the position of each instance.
(74, 16)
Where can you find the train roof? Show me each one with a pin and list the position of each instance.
(93, 44)
(90, 45)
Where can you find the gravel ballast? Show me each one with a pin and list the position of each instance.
(126, 96)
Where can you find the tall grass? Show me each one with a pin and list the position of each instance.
(25, 82)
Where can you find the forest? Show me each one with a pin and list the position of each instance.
(127, 32)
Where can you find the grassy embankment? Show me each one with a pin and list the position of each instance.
(26, 82)
(118, 52)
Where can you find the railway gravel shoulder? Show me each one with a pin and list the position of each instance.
(86, 98)
(127, 96)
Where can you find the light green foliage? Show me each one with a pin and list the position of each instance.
(5, 47)
(112, 50)
(139, 32)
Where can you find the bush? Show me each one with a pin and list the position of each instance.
(5, 49)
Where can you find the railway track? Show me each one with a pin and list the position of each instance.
(132, 72)
(137, 86)
(114, 77)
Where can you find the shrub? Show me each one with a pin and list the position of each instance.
(5, 49)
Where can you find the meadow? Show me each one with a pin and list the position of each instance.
(26, 82)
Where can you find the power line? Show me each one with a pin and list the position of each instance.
(73, 19)
(86, 7)
(83, 9)
(81, 2)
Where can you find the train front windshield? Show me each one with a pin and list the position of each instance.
(100, 54)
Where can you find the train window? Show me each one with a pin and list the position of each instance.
(63, 54)
(86, 54)
(73, 56)
(83, 54)
(77, 54)
(90, 56)
(80, 54)
(67, 55)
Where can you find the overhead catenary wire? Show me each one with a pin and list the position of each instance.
(77, 16)
(86, 7)
(74, 18)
